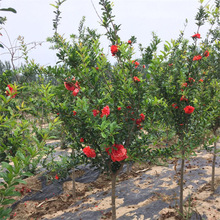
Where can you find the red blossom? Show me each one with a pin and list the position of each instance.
(196, 35)
(114, 49)
(138, 121)
(191, 79)
(96, 68)
(189, 109)
(136, 64)
(129, 42)
(105, 111)
(89, 152)
(118, 154)
(12, 92)
(142, 116)
(69, 86)
(95, 112)
(75, 92)
(136, 79)
(184, 85)
(81, 140)
(183, 98)
(144, 66)
(128, 107)
(206, 53)
(119, 108)
(56, 177)
(74, 112)
(181, 124)
(174, 105)
(201, 80)
(58, 113)
(198, 57)
(170, 64)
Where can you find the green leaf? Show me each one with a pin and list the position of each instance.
(8, 9)
(8, 201)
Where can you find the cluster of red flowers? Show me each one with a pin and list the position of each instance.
(89, 152)
(139, 120)
(105, 111)
(114, 49)
(174, 105)
(191, 79)
(183, 98)
(117, 152)
(12, 92)
(136, 63)
(72, 87)
(198, 57)
(136, 79)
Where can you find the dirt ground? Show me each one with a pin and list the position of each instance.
(202, 199)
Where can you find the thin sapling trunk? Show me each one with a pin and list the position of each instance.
(213, 164)
(73, 177)
(181, 182)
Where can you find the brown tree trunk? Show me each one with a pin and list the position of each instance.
(213, 164)
(114, 175)
(73, 177)
(181, 183)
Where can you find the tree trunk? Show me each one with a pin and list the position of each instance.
(181, 183)
(73, 177)
(213, 164)
(114, 175)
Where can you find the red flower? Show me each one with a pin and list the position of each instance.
(183, 98)
(119, 108)
(95, 112)
(198, 57)
(96, 68)
(196, 35)
(144, 66)
(142, 116)
(89, 152)
(69, 86)
(170, 64)
(118, 154)
(191, 79)
(11, 92)
(181, 124)
(136, 79)
(138, 121)
(129, 42)
(174, 105)
(105, 111)
(206, 53)
(184, 85)
(81, 140)
(75, 92)
(56, 177)
(128, 107)
(74, 112)
(114, 49)
(136, 64)
(189, 109)
(58, 113)
(201, 80)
